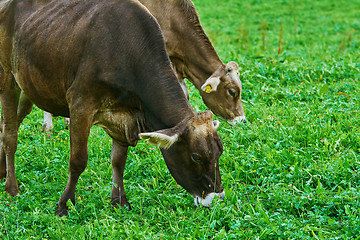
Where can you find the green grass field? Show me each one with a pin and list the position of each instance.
(290, 172)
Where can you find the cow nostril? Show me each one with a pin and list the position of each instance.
(222, 195)
(240, 119)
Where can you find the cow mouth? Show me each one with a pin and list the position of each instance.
(239, 119)
(235, 121)
(231, 118)
(207, 201)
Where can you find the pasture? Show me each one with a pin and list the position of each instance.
(290, 172)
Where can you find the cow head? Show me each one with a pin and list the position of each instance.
(191, 151)
(222, 93)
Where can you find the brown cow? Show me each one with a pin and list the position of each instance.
(103, 62)
(194, 58)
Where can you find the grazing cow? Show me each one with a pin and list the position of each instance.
(194, 58)
(103, 62)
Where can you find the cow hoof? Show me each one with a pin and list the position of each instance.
(118, 203)
(125, 206)
(62, 211)
(46, 128)
(12, 190)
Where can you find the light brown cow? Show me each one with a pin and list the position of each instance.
(194, 57)
(102, 62)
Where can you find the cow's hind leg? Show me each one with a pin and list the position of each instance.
(81, 122)
(9, 103)
(118, 161)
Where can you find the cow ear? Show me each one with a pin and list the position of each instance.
(216, 124)
(211, 84)
(163, 139)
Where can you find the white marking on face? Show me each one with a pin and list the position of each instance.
(201, 130)
(216, 124)
(207, 201)
(237, 120)
(234, 76)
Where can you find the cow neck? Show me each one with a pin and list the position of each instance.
(189, 46)
(196, 60)
(198, 72)
(165, 104)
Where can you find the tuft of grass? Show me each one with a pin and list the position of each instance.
(290, 172)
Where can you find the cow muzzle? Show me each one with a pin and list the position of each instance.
(207, 201)
(237, 120)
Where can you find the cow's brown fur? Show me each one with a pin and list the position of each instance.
(194, 57)
(104, 63)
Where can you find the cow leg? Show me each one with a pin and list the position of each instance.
(81, 122)
(118, 161)
(9, 102)
(47, 124)
(2, 163)
(67, 121)
(24, 108)
(2, 152)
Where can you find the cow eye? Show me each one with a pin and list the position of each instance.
(196, 157)
(232, 93)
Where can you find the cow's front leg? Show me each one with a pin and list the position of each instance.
(2, 163)
(9, 97)
(118, 161)
(81, 123)
(23, 109)
(2, 153)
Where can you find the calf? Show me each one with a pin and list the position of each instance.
(103, 62)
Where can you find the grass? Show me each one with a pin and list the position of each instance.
(290, 172)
